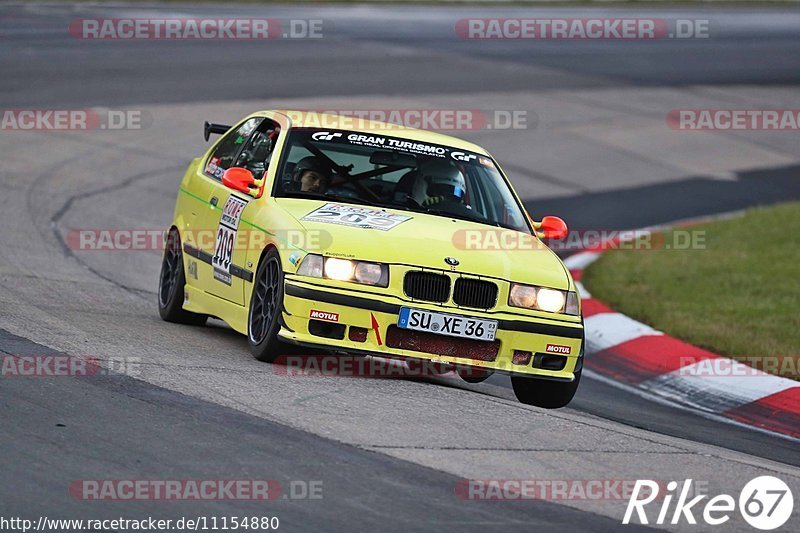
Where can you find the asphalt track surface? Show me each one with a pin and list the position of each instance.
(388, 452)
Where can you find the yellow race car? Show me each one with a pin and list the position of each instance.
(363, 237)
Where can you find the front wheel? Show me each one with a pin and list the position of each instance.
(266, 304)
(171, 285)
(545, 393)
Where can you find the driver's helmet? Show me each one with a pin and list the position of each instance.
(438, 181)
(310, 163)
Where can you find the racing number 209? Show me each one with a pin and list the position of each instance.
(223, 252)
(226, 238)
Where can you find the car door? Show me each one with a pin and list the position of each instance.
(232, 216)
(209, 197)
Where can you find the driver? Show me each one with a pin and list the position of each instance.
(440, 181)
(312, 175)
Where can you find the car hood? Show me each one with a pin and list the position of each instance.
(426, 240)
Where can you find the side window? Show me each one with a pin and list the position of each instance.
(257, 152)
(229, 147)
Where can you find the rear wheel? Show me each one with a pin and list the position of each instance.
(265, 308)
(545, 393)
(171, 285)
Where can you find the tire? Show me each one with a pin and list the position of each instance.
(545, 393)
(266, 303)
(171, 284)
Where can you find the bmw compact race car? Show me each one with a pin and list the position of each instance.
(376, 239)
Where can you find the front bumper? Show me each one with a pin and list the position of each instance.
(336, 311)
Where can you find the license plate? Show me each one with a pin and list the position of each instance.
(444, 324)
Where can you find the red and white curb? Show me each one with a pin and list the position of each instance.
(663, 367)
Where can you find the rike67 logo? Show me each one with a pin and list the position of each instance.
(765, 503)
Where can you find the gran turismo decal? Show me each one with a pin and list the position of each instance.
(325, 136)
(397, 144)
(405, 145)
(463, 156)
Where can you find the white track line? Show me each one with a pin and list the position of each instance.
(682, 407)
(717, 390)
(581, 260)
(606, 330)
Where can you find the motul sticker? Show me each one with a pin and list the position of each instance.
(324, 315)
(557, 348)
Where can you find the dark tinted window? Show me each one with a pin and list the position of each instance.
(229, 147)
(429, 178)
(257, 151)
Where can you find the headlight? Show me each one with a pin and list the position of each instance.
(550, 300)
(369, 273)
(522, 296)
(543, 299)
(316, 266)
(339, 269)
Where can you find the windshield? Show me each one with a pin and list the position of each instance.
(396, 173)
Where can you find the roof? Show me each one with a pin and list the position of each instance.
(312, 119)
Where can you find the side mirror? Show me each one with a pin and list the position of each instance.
(551, 228)
(239, 179)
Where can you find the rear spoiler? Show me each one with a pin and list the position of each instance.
(217, 129)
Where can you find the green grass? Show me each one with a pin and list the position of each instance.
(738, 295)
